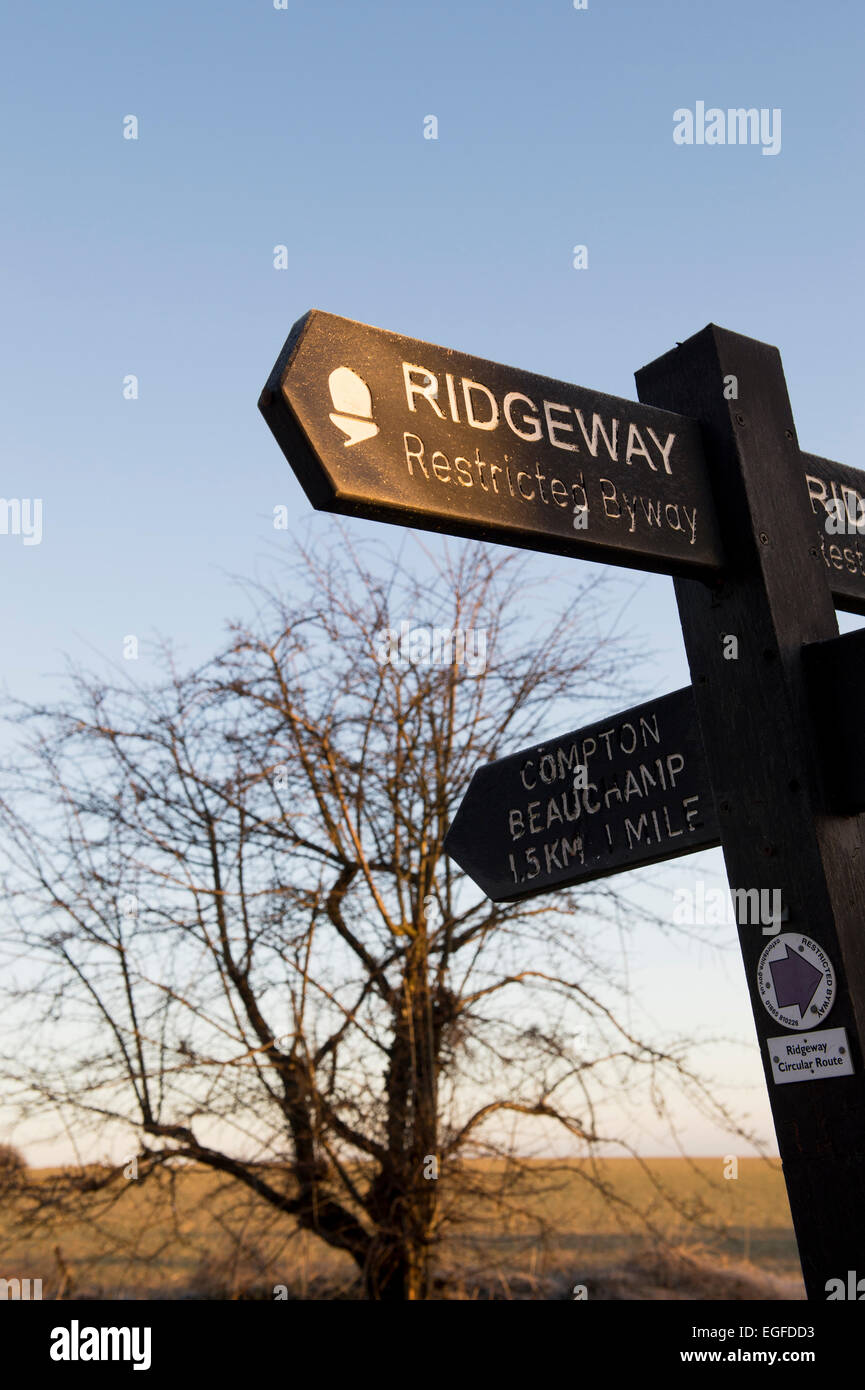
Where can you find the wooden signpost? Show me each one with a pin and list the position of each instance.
(763, 541)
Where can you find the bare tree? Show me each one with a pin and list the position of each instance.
(236, 933)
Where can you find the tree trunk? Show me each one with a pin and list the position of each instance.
(397, 1271)
(403, 1201)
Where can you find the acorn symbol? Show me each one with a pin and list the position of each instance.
(353, 402)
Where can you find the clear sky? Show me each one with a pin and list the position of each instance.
(304, 127)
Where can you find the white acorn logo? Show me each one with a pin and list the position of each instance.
(351, 398)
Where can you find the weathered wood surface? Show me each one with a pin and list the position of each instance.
(524, 827)
(763, 759)
(426, 436)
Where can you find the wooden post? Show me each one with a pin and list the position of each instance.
(776, 829)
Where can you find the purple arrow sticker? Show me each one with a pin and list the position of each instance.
(795, 980)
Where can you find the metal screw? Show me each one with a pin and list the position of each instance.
(789, 434)
(764, 539)
(812, 550)
(740, 419)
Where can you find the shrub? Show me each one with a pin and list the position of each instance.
(12, 1164)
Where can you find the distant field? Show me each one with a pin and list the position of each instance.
(198, 1237)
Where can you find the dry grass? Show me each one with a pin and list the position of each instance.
(197, 1237)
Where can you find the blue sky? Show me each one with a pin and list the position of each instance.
(303, 127)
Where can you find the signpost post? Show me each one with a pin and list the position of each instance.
(763, 542)
(776, 830)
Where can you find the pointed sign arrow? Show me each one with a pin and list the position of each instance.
(795, 980)
(382, 426)
(532, 821)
